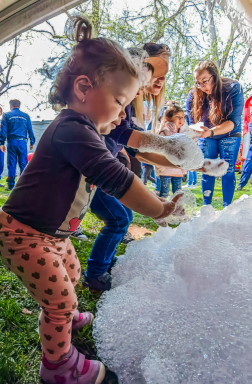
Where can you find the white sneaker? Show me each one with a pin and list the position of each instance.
(186, 186)
(193, 186)
(78, 235)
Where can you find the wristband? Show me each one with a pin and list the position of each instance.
(212, 133)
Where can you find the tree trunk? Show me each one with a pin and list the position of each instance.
(242, 66)
(96, 16)
(212, 30)
(227, 49)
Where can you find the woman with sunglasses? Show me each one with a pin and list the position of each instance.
(218, 103)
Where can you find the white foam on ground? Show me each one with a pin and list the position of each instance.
(181, 305)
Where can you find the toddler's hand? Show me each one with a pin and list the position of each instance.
(170, 206)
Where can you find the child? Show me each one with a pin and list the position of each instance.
(54, 192)
(172, 121)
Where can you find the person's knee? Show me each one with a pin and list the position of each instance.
(231, 168)
(63, 308)
(125, 220)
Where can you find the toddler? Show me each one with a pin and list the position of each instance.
(171, 123)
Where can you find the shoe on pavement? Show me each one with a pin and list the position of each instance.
(78, 235)
(127, 238)
(239, 188)
(74, 370)
(85, 318)
(112, 263)
(97, 284)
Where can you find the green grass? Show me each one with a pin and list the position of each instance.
(217, 201)
(20, 351)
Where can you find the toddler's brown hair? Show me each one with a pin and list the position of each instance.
(172, 108)
(92, 57)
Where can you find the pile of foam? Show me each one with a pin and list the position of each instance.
(180, 308)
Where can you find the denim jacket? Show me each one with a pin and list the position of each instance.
(232, 107)
(15, 125)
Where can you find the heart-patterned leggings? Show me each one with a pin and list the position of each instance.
(49, 268)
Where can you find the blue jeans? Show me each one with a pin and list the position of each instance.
(1, 163)
(246, 168)
(117, 219)
(227, 148)
(153, 173)
(158, 184)
(192, 178)
(16, 151)
(165, 185)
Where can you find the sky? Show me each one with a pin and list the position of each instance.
(32, 55)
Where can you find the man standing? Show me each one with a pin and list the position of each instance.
(15, 126)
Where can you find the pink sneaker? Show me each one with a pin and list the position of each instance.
(84, 319)
(74, 370)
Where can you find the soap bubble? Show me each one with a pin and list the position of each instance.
(180, 308)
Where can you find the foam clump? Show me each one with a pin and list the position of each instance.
(215, 167)
(180, 307)
(185, 209)
(179, 149)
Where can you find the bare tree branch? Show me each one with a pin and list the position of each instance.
(13, 86)
(52, 27)
(16, 41)
(161, 24)
(5, 82)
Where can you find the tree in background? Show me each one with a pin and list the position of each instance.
(232, 56)
(191, 28)
(6, 71)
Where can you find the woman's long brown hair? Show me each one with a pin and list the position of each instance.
(215, 99)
